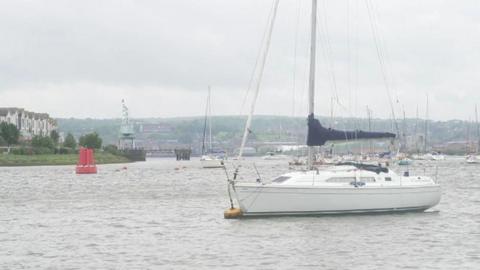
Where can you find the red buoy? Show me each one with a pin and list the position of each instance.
(86, 162)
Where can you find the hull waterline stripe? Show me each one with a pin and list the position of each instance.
(338, 212)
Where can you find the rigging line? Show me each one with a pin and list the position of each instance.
(255, 66)
(332, 63)
(304, 88)
(384, 50)
(328, 52)
(304, 91)
(259, 79)
(328, 55)
(210, 121)
(301, 85)
(425, 139)
(381, 62)
(467, 136)
(297, 21)
(416, 131)
(205, 128)
(349, 55)
(387, 63)
(332, 102)
(383, 44)
(326, 59)
(478, 130)
(354, 51)
(351, 97)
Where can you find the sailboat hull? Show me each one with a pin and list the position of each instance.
(263, 200)
(212, 163)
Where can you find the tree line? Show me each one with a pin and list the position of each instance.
(10, 136)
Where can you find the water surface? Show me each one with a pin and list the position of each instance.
(164, 214)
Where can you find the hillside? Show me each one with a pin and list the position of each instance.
(228, 129)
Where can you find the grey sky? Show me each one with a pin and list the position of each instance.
(80, 58)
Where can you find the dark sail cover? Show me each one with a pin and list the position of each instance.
(318, 135)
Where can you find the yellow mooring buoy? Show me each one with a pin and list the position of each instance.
(232, 213)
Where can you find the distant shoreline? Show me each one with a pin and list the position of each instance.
(11, 160)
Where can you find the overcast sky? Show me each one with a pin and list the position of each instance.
(81, 58)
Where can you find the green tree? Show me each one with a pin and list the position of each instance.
(43, 142)
(9, 133)
(70, 141)
(55, 136)
(112, 149)
(91, 140)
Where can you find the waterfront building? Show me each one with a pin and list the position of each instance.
(28, 123)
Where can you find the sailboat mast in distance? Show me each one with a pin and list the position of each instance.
(404, 133)
(425, 141)
(311, 81)
(478, 129)
(467, 145)
(210, 148)
(369, 116)
(416, 130)
(205, 123)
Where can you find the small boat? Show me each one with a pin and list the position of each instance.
(404, 162)
(472, 159)
(437, 156)
(434, 156)
(297, 161)
(208, 160)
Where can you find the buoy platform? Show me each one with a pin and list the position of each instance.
(232, 213)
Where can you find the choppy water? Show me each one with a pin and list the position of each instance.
(152, 216)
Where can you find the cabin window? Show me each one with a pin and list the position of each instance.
(281, 179)
(340, 180)
(388, 179)
(367, 179)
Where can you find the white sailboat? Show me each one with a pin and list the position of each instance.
(429, 156)
(208, 159)
(346, 188)
(342, 188)
(474, 158)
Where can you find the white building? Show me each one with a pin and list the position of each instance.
(28, 123)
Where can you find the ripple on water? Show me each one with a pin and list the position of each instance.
(155, 216)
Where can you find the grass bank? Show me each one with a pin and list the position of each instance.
(50, 160)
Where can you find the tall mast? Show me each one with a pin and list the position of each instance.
(205, 123)
(404, 133)
(311, 81)
(331, 112)
(478, 130)
(425, 139)
(467, 145)
(369, 115)
(259, 80)
(416, 130)
(209, 120)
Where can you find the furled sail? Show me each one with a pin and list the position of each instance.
(319, 135)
